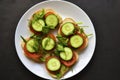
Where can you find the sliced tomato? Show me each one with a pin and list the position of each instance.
(72, 61)
(52, 36)
(34, 56)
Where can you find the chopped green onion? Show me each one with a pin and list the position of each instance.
(42, 59)
(62, 40)
(79, 23)
(89, 34)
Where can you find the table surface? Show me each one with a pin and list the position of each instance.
(105, 64)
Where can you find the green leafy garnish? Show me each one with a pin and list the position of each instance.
(81, 30)
(32, 36)
(56, 52)
(89, 35)
(58, 76)
(60, 47)
(39, 15)
(42, 59)
(35, 48)
(62, 40)
(23, 39)
(45, 29)
(38, 38)
(79, 23)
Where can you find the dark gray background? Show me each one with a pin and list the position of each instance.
(105, 64)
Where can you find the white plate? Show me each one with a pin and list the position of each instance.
(65, 9)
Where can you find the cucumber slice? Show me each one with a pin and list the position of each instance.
(76, 41)
(48, 43)
(32, 45)
(67, 28)
(53, 64)
(67, 54)
(51, 21)
(37, 25)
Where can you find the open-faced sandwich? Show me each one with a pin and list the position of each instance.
(58, 65)
(76, 35)
(43, 20)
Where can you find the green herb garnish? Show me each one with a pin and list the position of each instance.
(46, 42)
(45, 29)
(60, 47)
(39, 15)
(81, 30)
(58, 76)
(42, 59)
(23, 39)
(79, 23)
(62, 40)
(56, 52)
(89, 35)
(32, 36)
